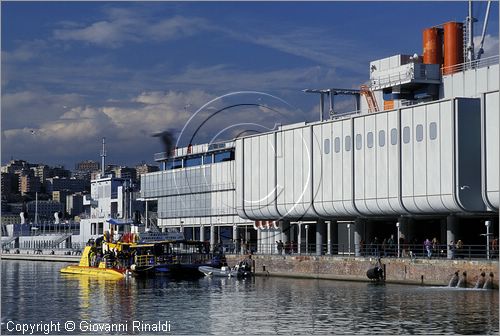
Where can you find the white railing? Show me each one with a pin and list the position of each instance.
(476, 64)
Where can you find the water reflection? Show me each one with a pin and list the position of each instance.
(32, 292)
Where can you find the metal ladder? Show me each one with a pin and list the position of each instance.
(370, 98)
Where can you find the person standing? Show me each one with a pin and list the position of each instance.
(428, 247)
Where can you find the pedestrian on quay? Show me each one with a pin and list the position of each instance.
(451, 247)
(428, 247)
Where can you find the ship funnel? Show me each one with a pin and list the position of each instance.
(433, 46)
(453, 46)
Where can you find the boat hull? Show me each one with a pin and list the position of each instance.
(106, 273)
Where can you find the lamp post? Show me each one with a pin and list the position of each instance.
(307, 238)
(399, 235)
(487, 224)
(349, 238)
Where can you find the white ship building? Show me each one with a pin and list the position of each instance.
(420, 156)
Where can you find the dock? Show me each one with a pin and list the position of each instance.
(41, 257)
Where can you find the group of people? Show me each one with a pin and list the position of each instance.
(288, 247)
(386, 248)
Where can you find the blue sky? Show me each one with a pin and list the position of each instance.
(75, 72)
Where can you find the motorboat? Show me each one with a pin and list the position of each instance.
(241, 270)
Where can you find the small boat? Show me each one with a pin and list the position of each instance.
(224, 271)
(239, 271)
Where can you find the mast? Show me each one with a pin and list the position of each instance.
(470, 35)
(103, 156)
(36, 208)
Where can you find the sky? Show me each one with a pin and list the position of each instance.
(75, 72)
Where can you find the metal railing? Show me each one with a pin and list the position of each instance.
(409, 251)
(476, 64)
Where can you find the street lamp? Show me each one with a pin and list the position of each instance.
(349, 238)
(399, 235)
(307, 238)
(487, 224)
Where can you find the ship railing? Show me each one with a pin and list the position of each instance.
(392, 79)
(406, 251)
(476, 64)
(144, 260)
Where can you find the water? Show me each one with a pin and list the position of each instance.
(35, 292)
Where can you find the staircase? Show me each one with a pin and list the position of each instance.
(8, 241)
(61, 239)
(370, 98)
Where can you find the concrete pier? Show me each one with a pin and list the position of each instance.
(41, 257)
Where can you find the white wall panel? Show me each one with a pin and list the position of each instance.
(420, 158)
(470, 87)
(491, 110)
(458, 84)
(493, 78)
(296, 197)
(407, 157)
(393, 144)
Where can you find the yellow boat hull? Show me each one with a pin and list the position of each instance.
(106, 273)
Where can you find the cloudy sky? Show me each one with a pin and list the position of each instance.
(73, 73)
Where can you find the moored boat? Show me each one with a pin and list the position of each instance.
(85, 267)
(241, 270)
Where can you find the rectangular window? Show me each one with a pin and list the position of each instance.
(224, 156)
(207, 159)
(100, 228)
(419, 132)
(394, 136)
(337, 144)
(359, 141)
(369, 140)
(327, 146)
(192, 161)
(381, 138)
(433, 131)
(347, 143)
(406, 134)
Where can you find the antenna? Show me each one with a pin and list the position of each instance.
(470, 34)
(103, 156)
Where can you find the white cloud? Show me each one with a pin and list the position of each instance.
(25, 51)
(490, 45)
(123, 26)
(29, 108)
(128, 126)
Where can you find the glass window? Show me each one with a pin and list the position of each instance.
(369, 140)
(337, 144)
(327, 146)
(224, 156)
(359, 141)
(207, 159)
(381, 138)
(406, 134)
(419, 133)
(394, 136)
(433, 130)
(347, 143)
(192, 161)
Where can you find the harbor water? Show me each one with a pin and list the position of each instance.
(35, 294)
